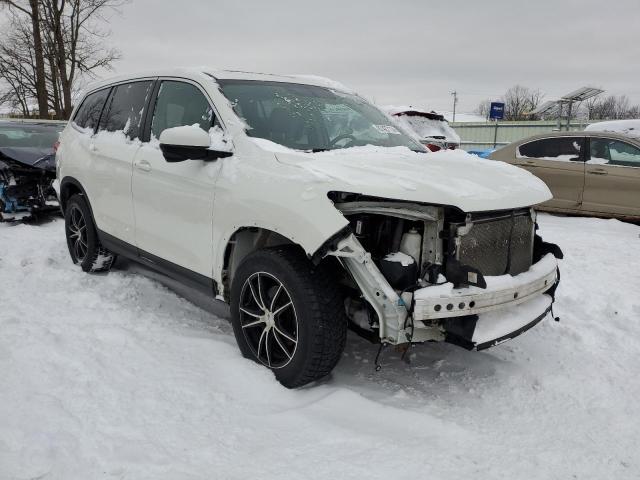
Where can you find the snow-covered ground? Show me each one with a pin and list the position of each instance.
(116, 376)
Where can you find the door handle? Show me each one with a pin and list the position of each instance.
(597, 172)
(143, 165)
(92, 147)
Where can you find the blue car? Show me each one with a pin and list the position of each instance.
(482, 153)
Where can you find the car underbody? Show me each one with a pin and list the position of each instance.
(478, 278)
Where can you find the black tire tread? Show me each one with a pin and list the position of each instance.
(91, 265)
(328, 319)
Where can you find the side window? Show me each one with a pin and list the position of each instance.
(126, 108)
(614, 152)
(88, 114)
(557, 148)
(180, 104)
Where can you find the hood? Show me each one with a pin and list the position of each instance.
(42, 158)
(448, 177)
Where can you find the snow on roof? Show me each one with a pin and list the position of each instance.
(448, 116)
(423, 123)
(190, 72)
(400, 109)
(630, 128)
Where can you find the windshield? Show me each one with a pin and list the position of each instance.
(32, 136)
(307, 117)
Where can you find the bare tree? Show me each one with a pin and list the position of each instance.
(71, 46)
(77, 40)
(32, 10)
(483, 108)
(17, 67)
(612, 107)
(519, 101)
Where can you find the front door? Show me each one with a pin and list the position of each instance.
(612, 184)
(558, 162)
(173, 202)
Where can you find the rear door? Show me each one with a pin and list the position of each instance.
(174, 201)
(112, 150)
(559, 162)
(612, 184)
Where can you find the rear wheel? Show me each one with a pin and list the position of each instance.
(288, 315)
(82, 238)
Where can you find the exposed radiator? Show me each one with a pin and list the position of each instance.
(497, 246)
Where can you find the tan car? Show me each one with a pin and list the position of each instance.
(589, 173)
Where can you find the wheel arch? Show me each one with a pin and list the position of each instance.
(70, 186)
(242, 242)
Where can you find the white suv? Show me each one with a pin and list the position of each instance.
(302, 206)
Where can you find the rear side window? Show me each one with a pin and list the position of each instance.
(614, 152)
(88, 114)
(180, 104)
(558, 148)
(126, 107)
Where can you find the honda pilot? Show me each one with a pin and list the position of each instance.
(307, 211)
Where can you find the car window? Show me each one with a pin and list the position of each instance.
(88, 114)
(179, 104)
(614, 152)
(126, 107)
(556, 148)
(32, 136)
(311, 118)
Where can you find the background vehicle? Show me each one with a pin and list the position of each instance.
(590, 172)
(630, 128)
(431, 128)
(482, 153)
(27, 167)
(252, 188)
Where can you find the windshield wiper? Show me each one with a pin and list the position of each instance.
(316, 150)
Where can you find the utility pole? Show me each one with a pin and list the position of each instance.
(455, 100)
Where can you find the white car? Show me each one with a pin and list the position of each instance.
(298, 203)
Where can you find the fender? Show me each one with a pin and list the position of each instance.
(65, 185)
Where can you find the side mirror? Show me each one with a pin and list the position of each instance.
(188, 143)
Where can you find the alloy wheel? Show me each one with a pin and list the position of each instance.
(268, 320)
(77, 233)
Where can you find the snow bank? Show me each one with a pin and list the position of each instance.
(115, 376)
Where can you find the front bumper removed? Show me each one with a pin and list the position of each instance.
(444, 301)
(476, 318)
(472, 317)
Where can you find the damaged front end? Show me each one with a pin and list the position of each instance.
(431, 273)
(26, 185)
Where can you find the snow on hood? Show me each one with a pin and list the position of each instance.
(630, 128)
(448, 177)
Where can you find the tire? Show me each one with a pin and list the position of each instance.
(82, 238)
(303, 341)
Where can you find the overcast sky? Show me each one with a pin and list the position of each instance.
(397, 52)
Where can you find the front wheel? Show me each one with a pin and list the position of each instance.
(288, 315)
(82, 238)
